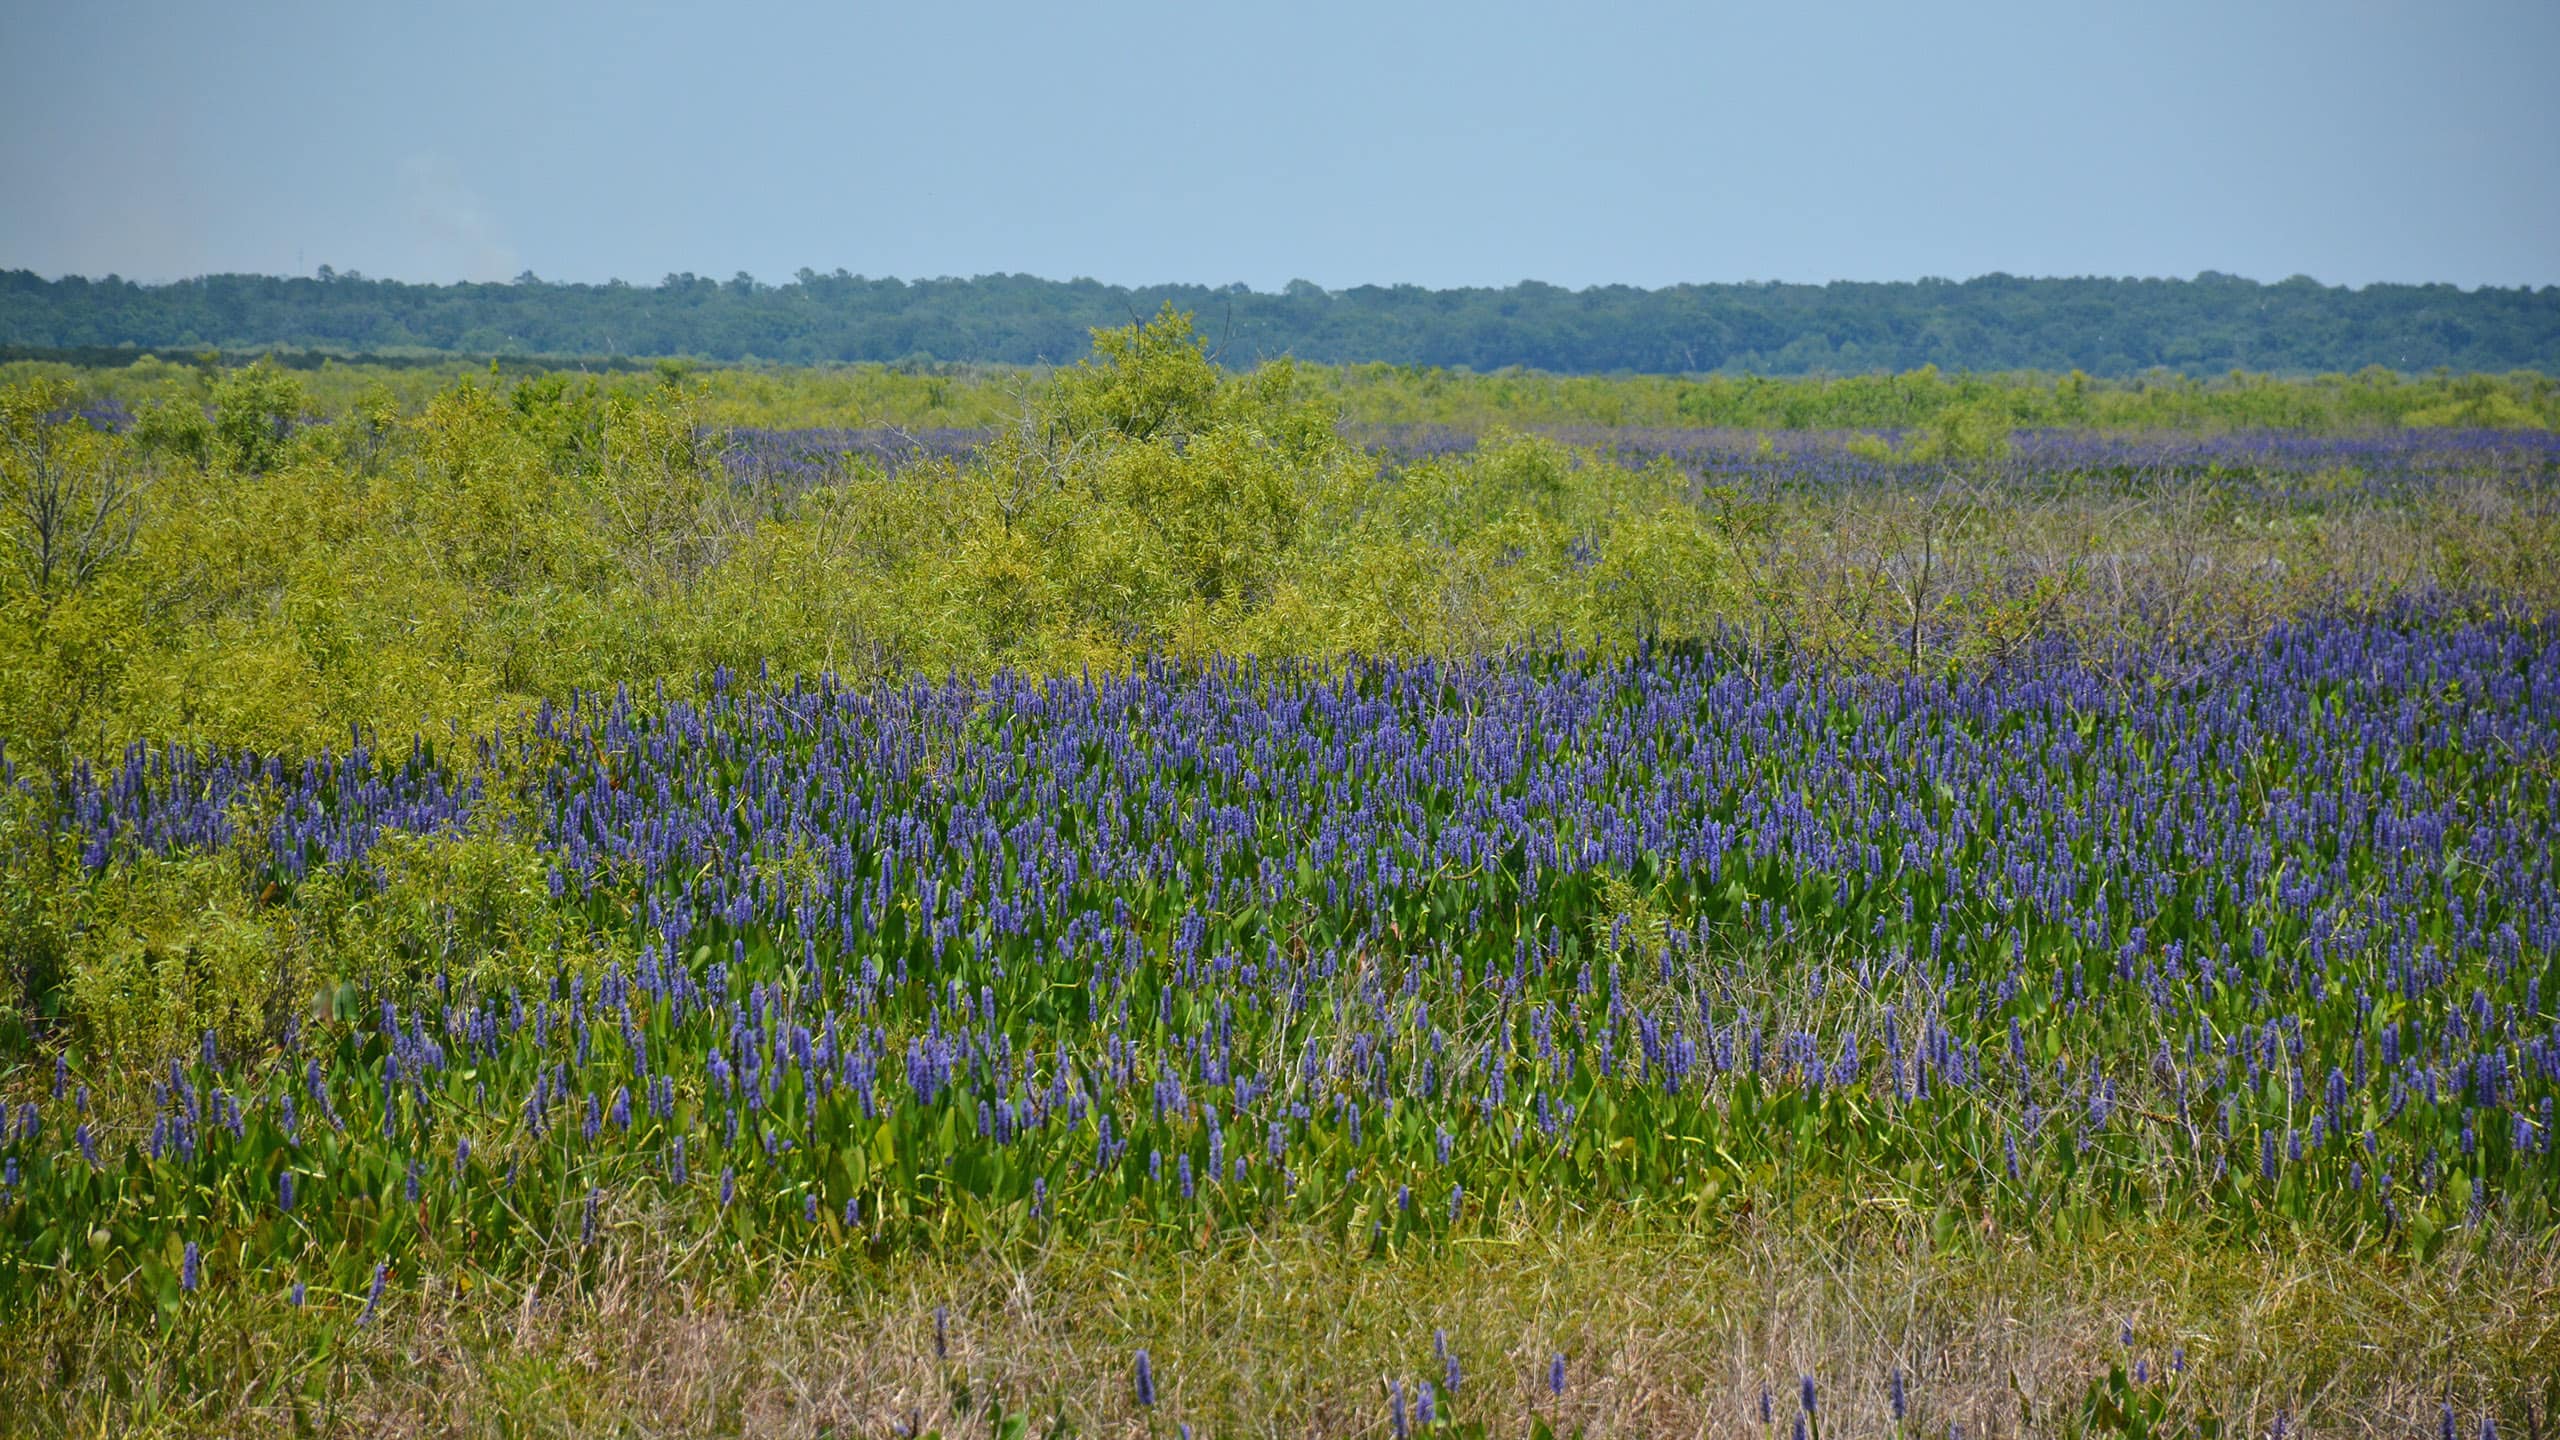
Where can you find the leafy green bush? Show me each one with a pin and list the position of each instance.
(37, 955)
(145, 957)
(163, 950)
(254, 411)
(472, 909)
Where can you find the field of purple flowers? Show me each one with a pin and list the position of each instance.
(2262, 941)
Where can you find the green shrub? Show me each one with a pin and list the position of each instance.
(36, 955)
(163, 950)
(473, 909)
(254, 411)
(151, 953)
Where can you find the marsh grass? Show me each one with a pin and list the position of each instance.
(1669, 1329)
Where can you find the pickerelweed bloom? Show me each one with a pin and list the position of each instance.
(950, 829)
(1146, 1380)
(190, 1268)
(1555, 1374)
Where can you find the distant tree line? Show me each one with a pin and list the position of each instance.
(2209, 325)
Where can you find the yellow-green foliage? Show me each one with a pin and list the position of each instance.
(33, 862)
(69, 502)
(163, 950)
(474, 908)
(980, 396)
(2479, 402)
(143, 957)
(442, 561)
(1530, 541)
(155, 952)
(1972, 433)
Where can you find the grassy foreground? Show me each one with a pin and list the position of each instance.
(1666, 1329)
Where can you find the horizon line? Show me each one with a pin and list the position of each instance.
(1295, 288)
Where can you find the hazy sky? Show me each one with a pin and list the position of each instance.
(1443, 144)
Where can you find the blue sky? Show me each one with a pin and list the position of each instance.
(1445, 144)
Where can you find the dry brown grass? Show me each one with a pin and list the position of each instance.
(1668, 1330)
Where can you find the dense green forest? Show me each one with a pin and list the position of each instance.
(2107, 327)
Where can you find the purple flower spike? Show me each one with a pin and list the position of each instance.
(373, 1298)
